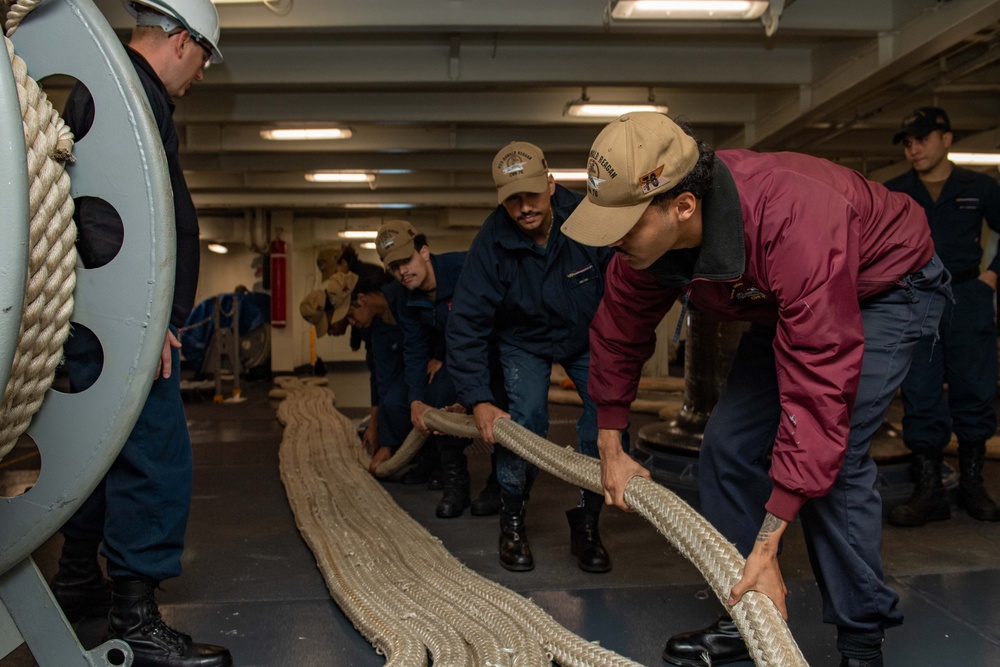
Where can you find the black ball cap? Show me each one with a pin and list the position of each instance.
(922, 122)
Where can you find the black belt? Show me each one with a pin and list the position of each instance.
(964, 276)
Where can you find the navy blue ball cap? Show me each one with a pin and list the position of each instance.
(922, 122)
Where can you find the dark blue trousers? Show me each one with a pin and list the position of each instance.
(965, 358)
(393, 415)
(440, 394)
(843, 530)
(140, 508)
(526, 381)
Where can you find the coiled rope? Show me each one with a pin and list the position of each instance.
(396, 582)
(355, 530)
(48, 298)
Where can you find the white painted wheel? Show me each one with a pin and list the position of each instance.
(13, 217)
(126, 302)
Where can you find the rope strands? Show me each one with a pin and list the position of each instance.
(395, 581)
(397, 462)
(766, 633)
(404, 592)
(48, 301)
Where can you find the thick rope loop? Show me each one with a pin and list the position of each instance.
(397, 463)
(51, 277)
(766, 633)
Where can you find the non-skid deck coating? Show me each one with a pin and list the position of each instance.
(251, 584)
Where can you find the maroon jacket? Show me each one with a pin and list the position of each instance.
(790, 241)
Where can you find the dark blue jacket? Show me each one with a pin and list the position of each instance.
(99, 226)
(384, 355)
(540, 300)
(956, 218)
(423, 322)
(365, 272)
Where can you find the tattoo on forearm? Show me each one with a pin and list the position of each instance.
(771, 524)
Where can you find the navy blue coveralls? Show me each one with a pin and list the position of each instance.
(384, 358)
(537, 303)
(140, 508)
(365, 271)
(423, 324)
(966, 356)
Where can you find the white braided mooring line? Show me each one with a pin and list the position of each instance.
(766, 633)
(415, 440)
(393, 579)
(48, 298)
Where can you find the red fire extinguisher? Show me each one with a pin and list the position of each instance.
(279, 287)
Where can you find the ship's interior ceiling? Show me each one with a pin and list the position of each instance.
(431, 89)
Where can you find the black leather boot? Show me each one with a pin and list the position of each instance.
(515, 554)
(972, 494)
(436, 480)
(488, 502)
(420, 471)
(585, 540)
(860, 648)
(930, 499)
(135, 619)
(80, 587)
(455, 498)
(718, 644)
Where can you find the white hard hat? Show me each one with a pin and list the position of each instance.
(198, 17)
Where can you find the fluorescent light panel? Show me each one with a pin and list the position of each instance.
(357, 234)
(377, 205)
(305, 133)
(569, 174)
(688, 10)
(981, 159)
(339, 177)
(609, 110)
(218, 248)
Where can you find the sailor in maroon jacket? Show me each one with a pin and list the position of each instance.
(839, 279)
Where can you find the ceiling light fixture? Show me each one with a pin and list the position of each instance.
(366, 205)
(305, 133)
(340, 177)
(569, 174)
(586, 108)
(688, 10)
(218, 248)
(369, 245)
(280, 7)
(357, 234)
(980, 159)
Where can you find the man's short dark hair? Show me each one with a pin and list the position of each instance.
(699, 179)
(366, 286)
(419, 241)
